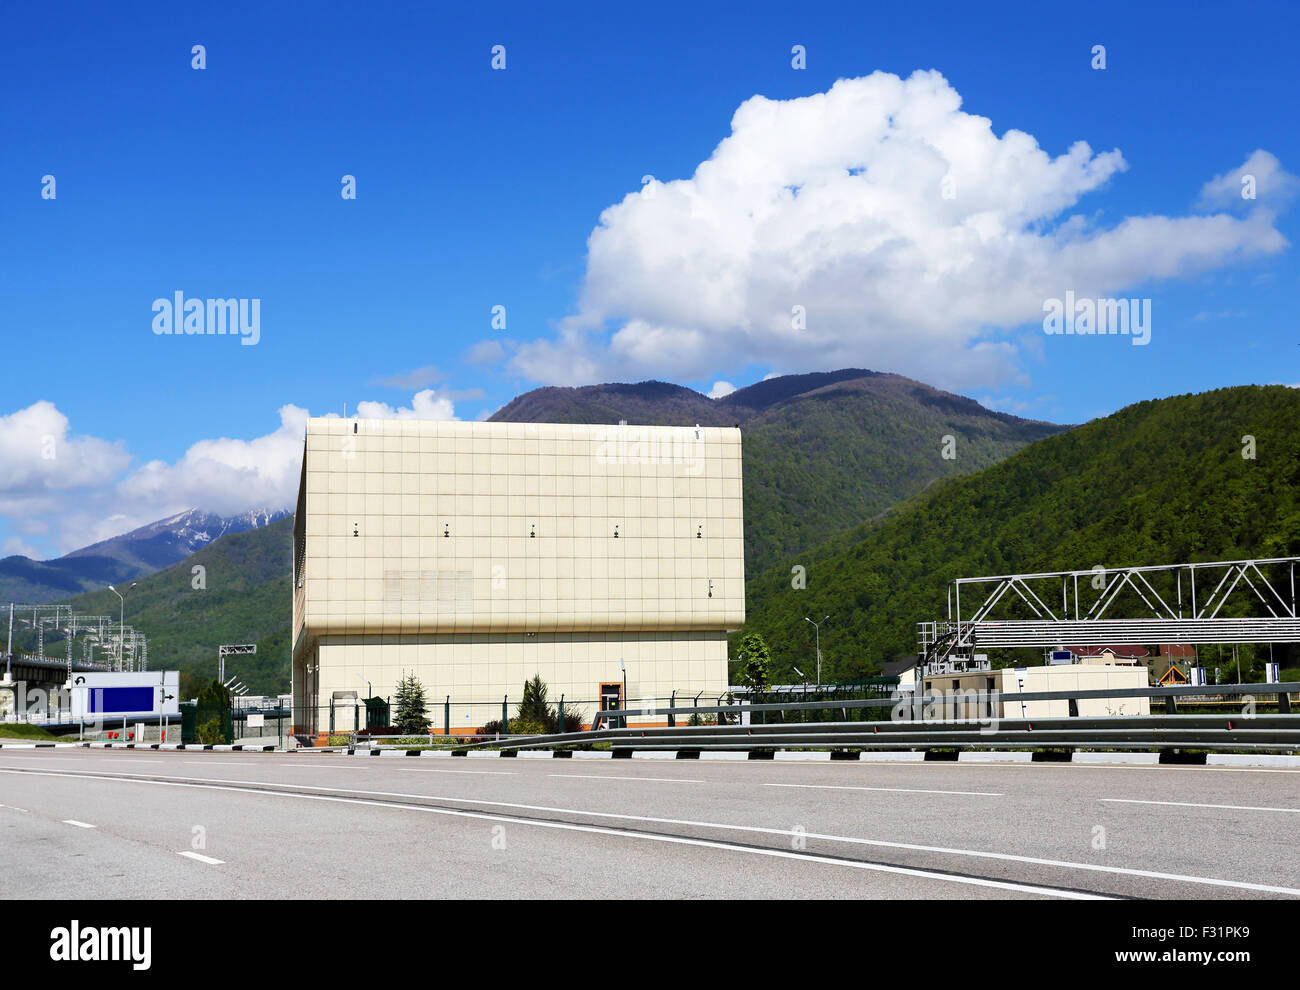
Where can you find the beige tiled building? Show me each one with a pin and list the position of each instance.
(478, 554)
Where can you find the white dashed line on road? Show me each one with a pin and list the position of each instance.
(201, 858)
(1188, 804)
(601, 776)
(73, 821)
(900, 790)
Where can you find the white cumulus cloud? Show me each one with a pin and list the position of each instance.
(877, 224)
(721, 390)
(1273, 186)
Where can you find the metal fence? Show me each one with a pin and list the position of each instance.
(928, 722)
(353, 717)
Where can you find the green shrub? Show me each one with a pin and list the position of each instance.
(211, 732)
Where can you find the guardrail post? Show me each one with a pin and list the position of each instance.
(1283, 703)
(1171, 706)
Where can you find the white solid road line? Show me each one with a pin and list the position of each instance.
(900, 790)
(601, 776)
(14, 808)
(484, 773)
(201, 858)
(210, 784)
(1189, 804)
(73, 821)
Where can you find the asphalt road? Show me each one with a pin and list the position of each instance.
(80, 823)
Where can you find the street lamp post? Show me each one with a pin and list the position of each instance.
(121, 622)
(818, 627)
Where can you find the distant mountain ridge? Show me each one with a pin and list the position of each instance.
(144, 550)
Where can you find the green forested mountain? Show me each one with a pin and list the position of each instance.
(840, 454)
(1163, 481)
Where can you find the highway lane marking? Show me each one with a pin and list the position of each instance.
(1007, 885)
(73, 821)
(201, 858)
(601, 776)
(12, 807)
(901, 790)
(1189, 804)
(209, 783)
(221, 763)
(122, 759)
(368, 767)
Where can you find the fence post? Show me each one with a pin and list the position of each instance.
(505, 725)
(446, 716)
(672, 703)
(1171, 707)
(561, 712)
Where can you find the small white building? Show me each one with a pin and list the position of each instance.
(1090, 676)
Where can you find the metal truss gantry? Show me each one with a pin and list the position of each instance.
(123, 648)
(1228, 601)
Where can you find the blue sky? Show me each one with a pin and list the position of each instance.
(478, 188)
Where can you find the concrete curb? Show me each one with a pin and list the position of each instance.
(875, 757)
(1251, 760)
(986, 756)
(724, 754)
(37, 745)
(1143, 759)
(797, 757)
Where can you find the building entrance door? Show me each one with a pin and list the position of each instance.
(611, 697)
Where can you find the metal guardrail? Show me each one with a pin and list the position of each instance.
(1280, 689)
(1251, 732)
(1118, 732)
